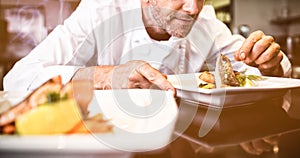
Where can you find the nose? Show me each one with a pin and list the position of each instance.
(191, 6)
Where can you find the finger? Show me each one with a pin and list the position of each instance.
(155, 77)
(259, 48)
(272, 51)
(247, 46)
(136, 80)
(271, 65)
(141, 85)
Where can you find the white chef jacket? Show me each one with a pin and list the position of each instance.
(111, 32)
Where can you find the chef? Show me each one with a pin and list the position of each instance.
(134, 43)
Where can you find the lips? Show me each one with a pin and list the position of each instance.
(185, 21)
(185, 18)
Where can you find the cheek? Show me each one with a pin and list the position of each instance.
(166, 12)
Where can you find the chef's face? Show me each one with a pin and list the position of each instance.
(176, 17)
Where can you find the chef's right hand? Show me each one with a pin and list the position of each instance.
(135, 74)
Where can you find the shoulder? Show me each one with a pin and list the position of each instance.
(208, 12)
(207, 16)
(208, 22)
(96, 11)
(120, 4)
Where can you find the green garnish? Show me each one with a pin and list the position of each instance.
(53, 97)
(242, 78)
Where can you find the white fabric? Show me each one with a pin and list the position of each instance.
(111, 32)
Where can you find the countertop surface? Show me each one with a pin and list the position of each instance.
(267, 129)
(269, 126)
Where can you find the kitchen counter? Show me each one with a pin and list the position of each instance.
(266, 124)
(237, 127)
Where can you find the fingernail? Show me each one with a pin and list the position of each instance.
(242, 55)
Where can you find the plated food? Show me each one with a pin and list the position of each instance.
(149, 127)
(53, 108)
(229, 77)
(242, 78)
(200, 88)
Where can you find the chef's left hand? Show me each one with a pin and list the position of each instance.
(261, 51)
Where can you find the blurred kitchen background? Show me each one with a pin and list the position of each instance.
(25, 23)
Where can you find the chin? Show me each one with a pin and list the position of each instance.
(179, 30)
(179, 34)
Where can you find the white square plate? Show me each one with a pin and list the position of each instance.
(270, 87)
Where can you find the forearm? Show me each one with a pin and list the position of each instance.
(101, 76)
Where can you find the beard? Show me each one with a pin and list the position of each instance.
(179, 27)
(173, 22)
